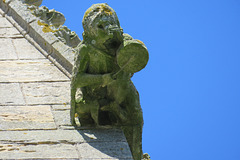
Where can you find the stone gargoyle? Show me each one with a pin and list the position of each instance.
(102, 92)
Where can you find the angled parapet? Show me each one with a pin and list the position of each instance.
(56, 42)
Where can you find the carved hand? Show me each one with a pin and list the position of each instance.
(107, 78)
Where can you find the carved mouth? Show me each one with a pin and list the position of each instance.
(112, 43)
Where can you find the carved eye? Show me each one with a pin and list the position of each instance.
(100, 26)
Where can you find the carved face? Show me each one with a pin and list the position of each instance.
(107, 31)
(101, 25)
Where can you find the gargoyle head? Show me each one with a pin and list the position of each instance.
(101, 27)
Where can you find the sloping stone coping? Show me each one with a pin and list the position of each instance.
(49, 45)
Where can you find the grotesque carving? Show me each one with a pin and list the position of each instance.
(67, 36)
(102, 92)
(33, 2)
(52, 21)
(50, 17)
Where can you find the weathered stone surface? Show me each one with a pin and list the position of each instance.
(62, 136)
(21, 12)
(60, 107)
(7, 49)
(30, 131)
(10, 33)
(37, 30)
(10, 93)
(61, 114)
(62, 118)
(25, 50)
(46, 93)
(62, 48)
(1, 12)
(26, 117)
(111, 150)
(4, 23)
(67, 36)
(102, 135)
(19, 151)
(33, 2)
(42, 137)
(29, 71)
(52, 21)
(101, 145)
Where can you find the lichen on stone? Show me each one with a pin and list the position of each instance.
(52, 21)
(50, 17)
(102, 92)
(67, 36)
(33, 2)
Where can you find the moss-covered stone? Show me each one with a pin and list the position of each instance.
(102, 92)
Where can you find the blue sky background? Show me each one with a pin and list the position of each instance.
(190, 89)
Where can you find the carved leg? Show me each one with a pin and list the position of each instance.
(73, 107)
(133, 135)
(88, 112)
(95, 111)
(116, 110)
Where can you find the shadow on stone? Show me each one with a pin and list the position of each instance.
(104, 143)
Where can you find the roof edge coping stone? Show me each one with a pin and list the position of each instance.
(27, 24)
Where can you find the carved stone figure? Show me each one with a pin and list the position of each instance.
(50, 17)
(33, 2)
(67, 36)
(102, 92)
(52, 21)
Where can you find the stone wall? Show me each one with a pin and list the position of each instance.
(28, 25)
(34, 96)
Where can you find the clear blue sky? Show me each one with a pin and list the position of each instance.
(190, 89)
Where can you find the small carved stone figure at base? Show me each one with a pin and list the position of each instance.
(102, 92)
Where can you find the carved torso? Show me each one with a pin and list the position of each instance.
(100, 62)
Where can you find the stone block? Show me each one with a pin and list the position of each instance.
(47, 93)
(26, 50)
(23, 12)
(30, 71)
(102, 135)
(101, 143)
(9, 33)
(63, 136)
(62, 118)
(7, 1)
(108, 150)
(45, 151)
(64, 65)
(66, 136)
(60, 46)
(42, 137)
(10, 93)
(4, 23)
(67, 52)
(1, 12)
(69, 55)
(26, 117)
(63, 54)
(21, 30)
(45, 40)
(7, 50)
(60, 107)
(4, 5)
